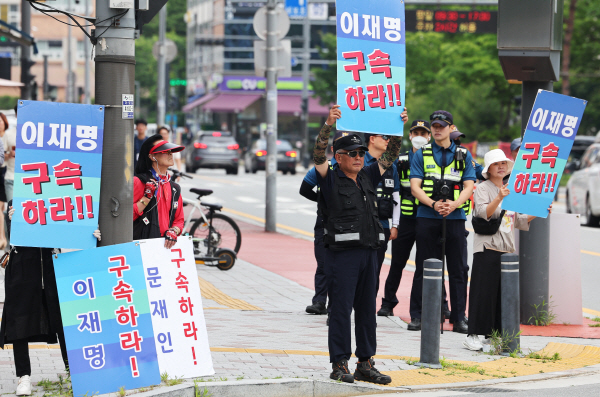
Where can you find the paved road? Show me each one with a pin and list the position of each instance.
(244, 195)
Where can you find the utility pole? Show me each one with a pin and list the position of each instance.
(271, 165)
(25, 50)
(46, 88)
(305, 81)
(162, 67)
(86, 55)
(115, 76)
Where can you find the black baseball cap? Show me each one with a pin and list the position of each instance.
(456, 134)
(441, 117)
(348, 141)
(420, 124)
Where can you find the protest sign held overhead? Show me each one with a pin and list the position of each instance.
(58, 162)
(131, 312)
(545, 148)
(371, 65)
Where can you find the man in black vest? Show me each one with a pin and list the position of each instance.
(353, 236)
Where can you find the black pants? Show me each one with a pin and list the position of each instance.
(381, 256)
(21, 353)
(320, 277)
(485, 299)
(352, 276)
(401, 248)
(466, 263)
(429, 234)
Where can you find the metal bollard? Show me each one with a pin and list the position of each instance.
(510, 300)
(430, 314)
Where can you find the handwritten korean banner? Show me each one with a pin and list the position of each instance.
(58, 164)
(546, 146)
(131, 312)
(371, 65)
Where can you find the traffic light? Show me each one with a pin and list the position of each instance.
(304, 106)
(517, 101)
(26, 65)
(34, 90)
(173, 102)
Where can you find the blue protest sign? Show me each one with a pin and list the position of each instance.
(544, 151)
(296, 8)
(106, 318)
(371, 65)
(58, 166)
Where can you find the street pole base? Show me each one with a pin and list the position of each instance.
(427, 365)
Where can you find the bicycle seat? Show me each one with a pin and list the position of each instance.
(214, 207)
(201, 192)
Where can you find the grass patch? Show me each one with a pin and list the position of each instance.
(536, 356)
(544, 315)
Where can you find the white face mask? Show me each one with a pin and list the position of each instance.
(418, 142)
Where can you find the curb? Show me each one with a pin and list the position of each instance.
(317, 388)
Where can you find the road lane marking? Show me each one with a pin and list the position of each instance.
(590, 253)
(592, 312)
(262, 220)
(248, 200)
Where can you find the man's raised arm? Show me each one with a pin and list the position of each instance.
(319, 156)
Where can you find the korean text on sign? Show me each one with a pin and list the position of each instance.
(546, 146)
(371, 65)
(106, 319)
(176, 308)
(57, 174)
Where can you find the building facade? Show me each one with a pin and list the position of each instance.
(222, 88)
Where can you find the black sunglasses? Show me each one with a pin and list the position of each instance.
(353, 153)
(384, 137)
(439, 116)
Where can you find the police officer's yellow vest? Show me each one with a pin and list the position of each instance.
(408, 203)
(433, 174)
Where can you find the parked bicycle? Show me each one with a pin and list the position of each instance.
(217, 238)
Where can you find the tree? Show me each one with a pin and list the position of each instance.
(146, 65)
(324, 84)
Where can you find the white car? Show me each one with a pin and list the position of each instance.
(583, 189)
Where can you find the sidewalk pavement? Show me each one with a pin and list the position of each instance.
(258, 329)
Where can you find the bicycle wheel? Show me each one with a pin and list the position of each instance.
(226, 232)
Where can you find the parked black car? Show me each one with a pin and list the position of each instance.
(581, 143)
(214, 149)
(256, 157)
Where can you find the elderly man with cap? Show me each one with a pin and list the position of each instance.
(157, 203)
(419, 136)
(353, 236)
(442, 179)
(515, 145)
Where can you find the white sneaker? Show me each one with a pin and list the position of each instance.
(24, 386)
(472, 342)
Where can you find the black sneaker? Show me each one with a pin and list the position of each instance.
(341, 372)
(385, 311)
(367, 372)
(415, 324)
(317, 308)
(447, 313)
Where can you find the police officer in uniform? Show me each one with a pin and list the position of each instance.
(353, 235)
(388, 193)
(419, 135)
(442, 179)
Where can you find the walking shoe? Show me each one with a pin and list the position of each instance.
(385, 311)
(341, 372)
(24, 386)
(367, 372)
(461, 327)
(415, 324)
(317, 308)
(472, 342)
(466, 320)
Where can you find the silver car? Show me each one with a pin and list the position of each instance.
(583, 189)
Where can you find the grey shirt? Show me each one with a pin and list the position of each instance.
(504, 239)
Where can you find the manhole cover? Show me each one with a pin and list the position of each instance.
(485, 390)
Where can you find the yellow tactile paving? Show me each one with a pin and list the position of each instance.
(211, 292)
(571, 357)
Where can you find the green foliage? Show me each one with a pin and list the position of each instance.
(544, 315)
(8, 102)
(146, 66)
(122, 392)
(459, 73)
(499, 343)
(199, 392)
(536, 356)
